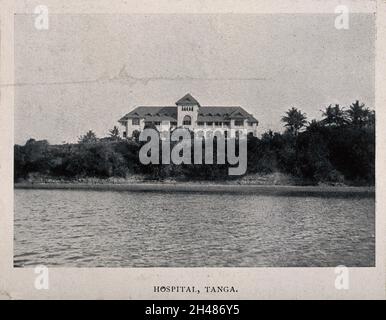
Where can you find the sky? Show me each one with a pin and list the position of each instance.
(87, 71)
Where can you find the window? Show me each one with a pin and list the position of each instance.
(135, 122)
(210, 123)
(186, 108)
(124, 134)
(200, 123)
(187, 121)
(239, 123)
(218, 123)
(157, 123)
(173, 123)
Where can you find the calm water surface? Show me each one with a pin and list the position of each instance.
(123, 229)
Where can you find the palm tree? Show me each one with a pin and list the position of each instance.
(294, 120)
(334, 116)
(358, 114)
(114, 133)
(314, 126)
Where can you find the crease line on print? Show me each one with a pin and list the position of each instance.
(124, 76)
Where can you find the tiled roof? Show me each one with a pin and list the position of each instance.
(152, 114)
(187, 100)
(224, 113)
(204, 114)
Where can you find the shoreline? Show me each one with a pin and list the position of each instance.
(257, 189)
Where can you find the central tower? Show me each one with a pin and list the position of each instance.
(187, 111)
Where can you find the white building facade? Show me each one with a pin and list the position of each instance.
(188, 113)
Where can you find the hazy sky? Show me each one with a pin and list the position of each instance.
(87, 71)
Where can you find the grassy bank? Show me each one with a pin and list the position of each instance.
(281, 190)
(276, 178)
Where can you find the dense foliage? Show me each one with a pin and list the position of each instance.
(340, 148)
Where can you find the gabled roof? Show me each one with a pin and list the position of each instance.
(169, 113)
(224, 113)
(151, 114)
(187, 100)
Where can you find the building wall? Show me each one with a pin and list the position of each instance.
(165, 125)
(253, 129)
(130, 128)
(181, 114)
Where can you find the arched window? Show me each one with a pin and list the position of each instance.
(187, 121)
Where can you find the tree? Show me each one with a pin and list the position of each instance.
(294, 120)
(135, 135)
(334, 116)
(358, 114)
(315, 126)
(371, 120)
(89, 137)
(114, 133)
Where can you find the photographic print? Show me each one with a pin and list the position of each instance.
(194, 140)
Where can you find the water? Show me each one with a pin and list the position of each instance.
(123, 229)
